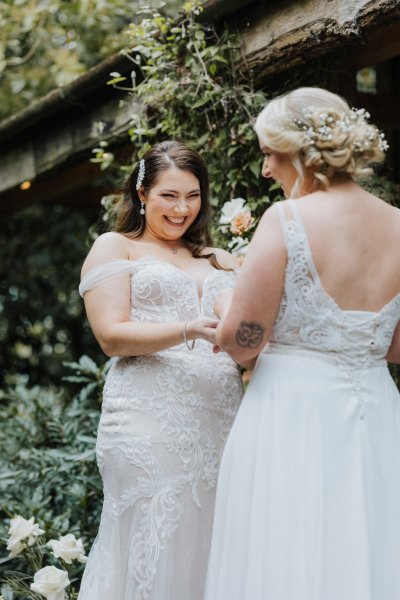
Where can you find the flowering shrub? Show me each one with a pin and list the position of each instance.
(49, 581)
(205, 100)
(23, 533)
(48, 470)
(68, 548)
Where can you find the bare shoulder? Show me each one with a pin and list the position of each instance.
(269, 228)
(224, 258)
(271, 215)
(382, 209)
(395, 212)
(108, 246)
(394, 220)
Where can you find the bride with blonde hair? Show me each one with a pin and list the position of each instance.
(308, 498)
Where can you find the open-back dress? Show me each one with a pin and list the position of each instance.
(308, 496)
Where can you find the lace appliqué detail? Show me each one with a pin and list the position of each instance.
(164, 419)
(309, 318)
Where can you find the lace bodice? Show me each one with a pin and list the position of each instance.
(309, 318)
(162, 292)
(165, 417)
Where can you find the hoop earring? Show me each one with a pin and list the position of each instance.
(142, 211)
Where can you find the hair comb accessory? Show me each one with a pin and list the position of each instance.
(140, 177)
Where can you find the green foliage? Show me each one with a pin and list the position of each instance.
(42, 320)
(47, 460)
(48, 43)
(383, 188)
(193, 90)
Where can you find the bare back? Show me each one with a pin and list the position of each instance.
(354, 241)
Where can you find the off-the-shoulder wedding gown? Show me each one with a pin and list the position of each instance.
(165, 417)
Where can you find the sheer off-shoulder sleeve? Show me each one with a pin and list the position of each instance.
(96, 276)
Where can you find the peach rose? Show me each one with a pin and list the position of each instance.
(242, 223)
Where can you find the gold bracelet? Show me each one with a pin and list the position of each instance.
(188, 346)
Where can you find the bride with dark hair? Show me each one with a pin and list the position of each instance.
(169, 401)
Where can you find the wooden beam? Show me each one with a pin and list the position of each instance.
(380, 46)
(79, 184)
(280, 36)
(64, 140)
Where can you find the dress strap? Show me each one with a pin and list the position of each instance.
(96, 276)
(291, 235)
(306, 244)
(281, 213)
(283, 221)
(296, 213)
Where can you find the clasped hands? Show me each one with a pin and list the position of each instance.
(205, 328)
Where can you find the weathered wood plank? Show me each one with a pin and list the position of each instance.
(289, 33)
(55, 145)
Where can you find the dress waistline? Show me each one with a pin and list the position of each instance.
(331, 357)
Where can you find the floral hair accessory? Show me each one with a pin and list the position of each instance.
(325, 126)
(140, 177)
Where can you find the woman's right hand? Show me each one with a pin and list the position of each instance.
(202, 329)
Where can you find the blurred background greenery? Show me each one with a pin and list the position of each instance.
(48, 43)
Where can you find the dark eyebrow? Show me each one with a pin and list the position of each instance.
(175, 191)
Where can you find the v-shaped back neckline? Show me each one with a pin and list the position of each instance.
(314, 272)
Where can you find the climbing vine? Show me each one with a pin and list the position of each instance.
(194, 88)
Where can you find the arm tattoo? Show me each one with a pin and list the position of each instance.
(249, 334)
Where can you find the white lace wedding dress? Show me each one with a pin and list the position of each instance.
(164, 420)
(308, 496)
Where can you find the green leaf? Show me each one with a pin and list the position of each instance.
(115, 80)
(255, 168)
(201, 102)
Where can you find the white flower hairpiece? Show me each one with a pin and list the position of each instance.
(322, 132)
(140, 177)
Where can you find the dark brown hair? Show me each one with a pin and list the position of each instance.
(159, 158)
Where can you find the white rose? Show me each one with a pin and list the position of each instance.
(231, 209)
(68, 548)
(22, 532)
(51, 583)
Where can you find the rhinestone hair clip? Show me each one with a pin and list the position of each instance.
(140, 177)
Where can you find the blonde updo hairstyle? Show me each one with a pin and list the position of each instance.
(322, 135)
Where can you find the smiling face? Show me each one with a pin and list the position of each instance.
(280, 168)
(171, 204)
